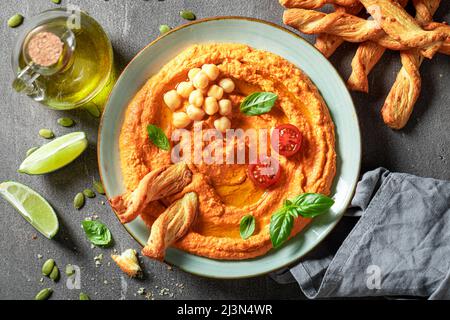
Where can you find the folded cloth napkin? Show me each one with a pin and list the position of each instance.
(399, 246)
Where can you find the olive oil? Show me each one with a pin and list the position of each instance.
(82, 74)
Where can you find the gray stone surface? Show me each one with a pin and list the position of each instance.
(422, 148)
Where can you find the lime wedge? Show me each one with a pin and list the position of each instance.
(35, 209)
(55, 155)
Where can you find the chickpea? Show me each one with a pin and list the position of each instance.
(225, 107)
(215, 91)
(227, 85)
(195, 113)
(193, 72)
(211, 106)
(185, 88)
(180, 120)
(196, 98)
(211, 70)
(222, 124)
(201, 80)
(172, 99)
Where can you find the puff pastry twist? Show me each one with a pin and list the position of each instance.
(157, 184)
(406, 89)
(314, 4)
(328, 43)
(399, 25)
(366, 57)
(354, 29)
(171, 225)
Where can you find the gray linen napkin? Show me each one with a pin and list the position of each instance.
(399, 246)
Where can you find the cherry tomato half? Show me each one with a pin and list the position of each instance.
(289, 139)
(265, 174)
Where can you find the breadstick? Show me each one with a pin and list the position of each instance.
(366, 57)
(328, 43)
(355, 29)
(406, 89)
(314, 4)
(398, 24)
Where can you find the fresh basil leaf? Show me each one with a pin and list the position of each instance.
(247, 226)
(281, 224)
(158, 137)
(258, 103)
(97, 232)
(309, 205)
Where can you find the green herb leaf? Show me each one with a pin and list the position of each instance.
(281, 224)
(158, 137)
(97, 232)
(258, 103)
(247, 226)
(307, 205)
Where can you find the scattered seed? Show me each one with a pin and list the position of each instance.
(164, 28)
(54, 275)
(46, 133)
(78, 201)
(15, 21)
(47, 267)
(31, 150)
(98, 186)
(187, 14)
(65, 122)
(44, 294)
(93, 110)
(84, 296)
(70, 270)
(89, 193)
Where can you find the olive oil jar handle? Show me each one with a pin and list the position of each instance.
(25, 82)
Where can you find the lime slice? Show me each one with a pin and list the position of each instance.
(55, 155)
(35, 209)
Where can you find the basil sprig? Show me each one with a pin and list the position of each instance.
(247, 226)
(307, 205)
(158, 137)
(97, 232)
(258, 103)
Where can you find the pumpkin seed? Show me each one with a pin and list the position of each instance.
(78, 201)
(54, 275)
(44, 294)
(70, 270)
(164, 28)
(31, 150)
(56, 1)
(15, 21)
(47, 267)
(98, 186)
(93, 110)
(46, 133)
(89, 193)
(84, 296)
(187, 14)
(65, 122)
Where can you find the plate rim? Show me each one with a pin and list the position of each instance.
(352, 187)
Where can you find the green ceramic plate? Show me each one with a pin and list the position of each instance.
(260, 35)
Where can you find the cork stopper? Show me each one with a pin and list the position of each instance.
(45, 49)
